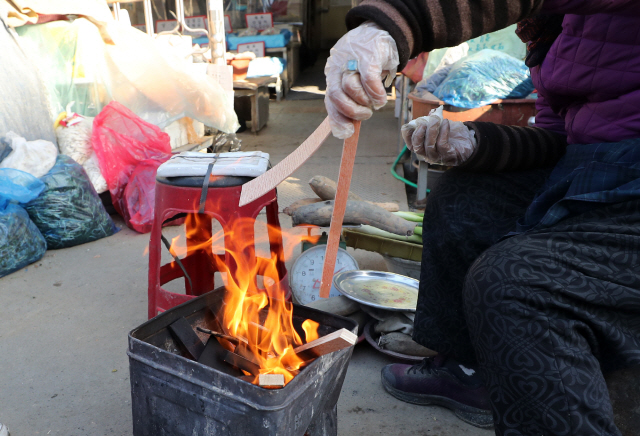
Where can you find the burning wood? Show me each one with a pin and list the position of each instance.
(253, 330)
(231, 339)
(186, 338)
(271, 380)
(242, 363)
(335, 341)
(213, 355)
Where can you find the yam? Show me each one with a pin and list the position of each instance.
(302, 202)
(325, 188)
(357, 212)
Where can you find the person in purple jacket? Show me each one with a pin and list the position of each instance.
(530, 282)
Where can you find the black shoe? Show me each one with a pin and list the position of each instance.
(444, 382)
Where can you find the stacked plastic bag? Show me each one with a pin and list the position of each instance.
(59, 209)
(69, 212)
(479, 71)
(21, 243)
(484, 77)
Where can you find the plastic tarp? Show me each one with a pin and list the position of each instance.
(504, 40)
(23, 108)
(136, 71)
(69, 212)
(270, 41)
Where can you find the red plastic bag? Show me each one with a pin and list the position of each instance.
(129, 152)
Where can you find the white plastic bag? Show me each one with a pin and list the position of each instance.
(158, 87)
(92, 168)
(33, 157)
(74, 137)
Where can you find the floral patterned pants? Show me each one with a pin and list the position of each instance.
(544, 313)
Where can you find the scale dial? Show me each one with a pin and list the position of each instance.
(306, 273)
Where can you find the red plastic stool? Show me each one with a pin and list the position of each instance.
(219, 200)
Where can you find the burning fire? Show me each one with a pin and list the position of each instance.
(261, 319)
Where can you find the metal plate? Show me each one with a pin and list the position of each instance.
(382, 290)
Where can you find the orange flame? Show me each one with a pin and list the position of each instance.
(261, 316)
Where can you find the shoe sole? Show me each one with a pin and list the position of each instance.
(471, 415)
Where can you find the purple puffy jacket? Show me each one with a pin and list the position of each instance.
(589, 83)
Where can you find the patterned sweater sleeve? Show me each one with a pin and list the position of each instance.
(423, 25)
(512, 148)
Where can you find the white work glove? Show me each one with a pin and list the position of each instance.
(439, 141)
(352, 95)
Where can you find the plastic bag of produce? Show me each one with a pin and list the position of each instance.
(129, 152)
(34, 157)
(484, 77)
(21, 243)
(69, 212)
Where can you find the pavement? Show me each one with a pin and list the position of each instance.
(64, 320)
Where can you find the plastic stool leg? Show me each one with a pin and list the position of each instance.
(199, 244)
(275, 237)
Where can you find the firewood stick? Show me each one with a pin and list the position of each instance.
(186, 338)
(264, 183)
(271, 380)
(335, 341)
(242, 363)
(229, 338)
(339, 206)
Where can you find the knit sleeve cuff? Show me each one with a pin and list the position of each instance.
(511, 148)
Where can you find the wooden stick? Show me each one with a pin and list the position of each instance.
(339, 206)
(271, 380)
(335, 341)
(264, 183)
(186, 338)
(242, 363)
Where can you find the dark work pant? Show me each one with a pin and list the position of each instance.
(466, 214)
(548, 312)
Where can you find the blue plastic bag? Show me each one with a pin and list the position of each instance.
(21, 243)
(69, 212)
(484, 77)
(267, 66)
(18, 186)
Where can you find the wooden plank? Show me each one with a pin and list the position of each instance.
(271, 380)
(242, 363)
(335, 341)
(187, 338)
(339, 207)
(268, 181)
(213, 356)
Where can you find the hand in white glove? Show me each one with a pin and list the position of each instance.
(439, 141)
(352, 95)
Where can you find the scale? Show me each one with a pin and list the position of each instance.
(306, 273)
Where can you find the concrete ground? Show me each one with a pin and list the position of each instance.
(64, 320)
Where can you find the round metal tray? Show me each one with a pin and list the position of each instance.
(382, 290)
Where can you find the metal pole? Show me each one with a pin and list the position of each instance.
(116, 11)
(215, 17)
(180, 12)
(148, 17)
